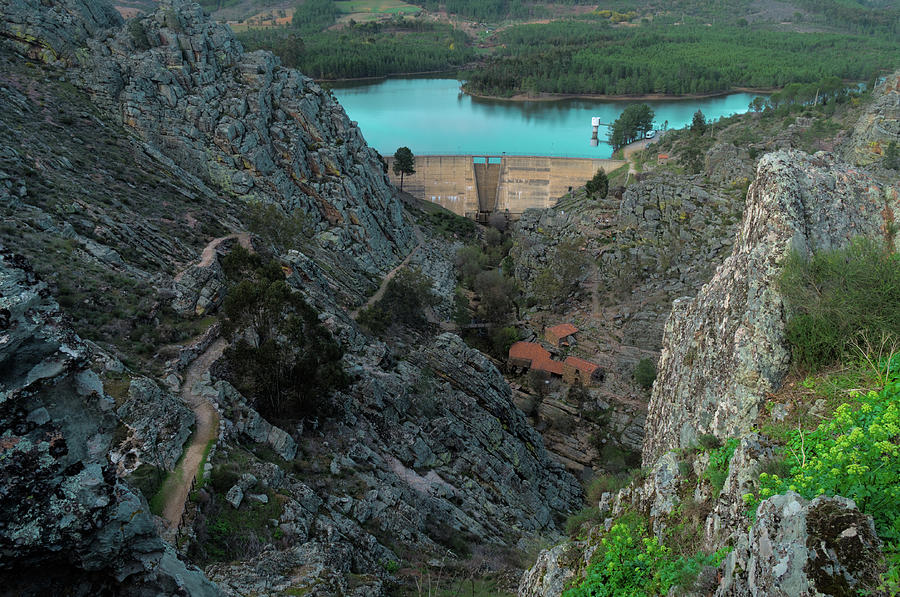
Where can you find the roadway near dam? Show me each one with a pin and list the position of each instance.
(477, 186)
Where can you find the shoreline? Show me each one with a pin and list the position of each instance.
(555, 97)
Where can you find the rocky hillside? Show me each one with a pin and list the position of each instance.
(133, 159)
(724, 354)
(68, 524)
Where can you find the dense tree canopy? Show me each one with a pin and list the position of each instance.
(635, 122)
(367, 50)
(590, 56)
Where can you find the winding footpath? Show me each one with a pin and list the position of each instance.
(178, 484)
(390, 276)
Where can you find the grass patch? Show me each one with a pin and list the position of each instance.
(838, 296)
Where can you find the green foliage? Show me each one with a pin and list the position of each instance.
(719, 459)
(568, 264)
(450, 224)
(284, 230)
(148, 479)
(407, 296)
(598, 186)
(892, 156)
(404, 163)
(502, 339)
(698, 123)
(375, 319)
(314, 15)
(630, 562)
(498, 293)
(367, 50)
(294, 364)
(635, 122)
(138, 34)
(837, 295)
(590, 56)
(853, 454)
(226, 534)
(645, 373)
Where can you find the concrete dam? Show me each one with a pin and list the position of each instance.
(477, 186)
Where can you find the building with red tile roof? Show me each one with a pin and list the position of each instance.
(528, 355)
(561, 335)
(585, 371)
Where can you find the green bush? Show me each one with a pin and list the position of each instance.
(599, 185)
(719, 460)
(374, 318)
(855, 454)
(645, 373)
(632, 563)
(837, 296)
(148, 479)
(295, 364)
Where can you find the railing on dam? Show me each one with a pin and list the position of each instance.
(485, 184)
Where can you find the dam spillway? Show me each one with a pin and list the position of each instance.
(477, 186)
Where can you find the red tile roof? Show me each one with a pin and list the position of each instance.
(539, 357)
(550, 366)
(562, 330)
(582, 365)
(663, 156)
(528, 350)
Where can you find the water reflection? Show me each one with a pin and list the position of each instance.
(432, 116)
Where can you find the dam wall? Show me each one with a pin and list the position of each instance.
(476, 186)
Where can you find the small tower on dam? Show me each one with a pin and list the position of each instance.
(595, 127)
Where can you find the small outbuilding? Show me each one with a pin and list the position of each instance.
(585, 371)
(561, 335)
(662, 158)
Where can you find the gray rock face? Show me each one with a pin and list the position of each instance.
(725, 349)
(798, 549)
(161, 424)
(54, 32)
(252, 129)
(64, 514)
(727, 166)
(878, 126)
(549, 575)
(247, 422)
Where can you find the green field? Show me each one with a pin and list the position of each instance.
(363, 11)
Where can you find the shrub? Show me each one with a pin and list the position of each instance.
(837, 295)
(599, 185)
(295, 364)
(138, 35)
(407, 296)
(148, 479)
(719, 460)
(854, 454)
(283, 230)
(374, 318)
(708, 441)
(645, 373)
(631, 562)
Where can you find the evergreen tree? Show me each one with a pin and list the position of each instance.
(698, 124)
(598, 185)
(404, 163)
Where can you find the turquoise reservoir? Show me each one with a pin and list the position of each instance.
(433, 117)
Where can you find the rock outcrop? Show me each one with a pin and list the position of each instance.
(724, 350)
(804, 548)
(878, 126)
(66, 523)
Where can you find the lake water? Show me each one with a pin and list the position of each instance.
(432, 116)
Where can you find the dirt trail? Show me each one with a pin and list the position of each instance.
(390, 276)
(206, 429)
(209, 251)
